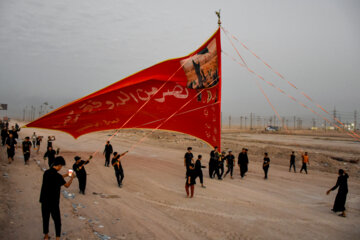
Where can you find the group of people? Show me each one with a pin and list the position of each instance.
(52, 180)
(9, 138)
(216, 168)
(115, 162)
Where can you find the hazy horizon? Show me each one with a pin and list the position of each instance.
(57, 52)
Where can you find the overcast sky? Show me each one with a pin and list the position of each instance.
(58, 51)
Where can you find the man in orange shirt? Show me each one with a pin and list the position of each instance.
(305, 161)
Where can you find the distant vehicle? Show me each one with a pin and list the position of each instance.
(271, 129)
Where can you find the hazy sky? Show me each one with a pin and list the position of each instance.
(58, 51)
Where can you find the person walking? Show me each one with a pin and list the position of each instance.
(38, 142)
(214, 158)
(4, 135)
(230, 161)
(190, 181)
(188, 159)
(340, 200)
(50, 196)
(266, 165)
(50, 154)
(14, 132)
(243, 162)
(26, 147)
(33, 139)
(50, 141)
(79, 168)
(305, 161)
(292, 161)
(11, 145)
(220, 167)
(107, 152)
(119, 171)
(198, 170)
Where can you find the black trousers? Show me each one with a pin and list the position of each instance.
(82, 182)
(54, 210)
(243, 170)
(26, 157)
(107, 159)
(266, 169)
(200, 175)
(211, 169)
(119, 175)
(219, 171)
(11, 153)
(304, 167)
(34, 144)
(230, 169)
(3, 140)
(292, 164)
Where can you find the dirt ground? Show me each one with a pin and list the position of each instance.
(152, 203)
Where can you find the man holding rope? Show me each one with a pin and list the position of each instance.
(119, 172)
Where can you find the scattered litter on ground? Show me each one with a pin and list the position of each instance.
(68, 195)
(102, 236)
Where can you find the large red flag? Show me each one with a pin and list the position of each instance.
(182, 95)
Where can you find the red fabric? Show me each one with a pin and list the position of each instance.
(111, 107)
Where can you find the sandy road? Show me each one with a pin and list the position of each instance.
(152, 203)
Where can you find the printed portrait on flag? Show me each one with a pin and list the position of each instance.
(202, 69)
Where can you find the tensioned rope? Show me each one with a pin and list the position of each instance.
(286, 94)
(282, 77)
(251, 71)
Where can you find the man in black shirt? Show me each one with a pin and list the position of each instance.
(11, 146)
(230, 158)
(4, 135)
(50, 141)
(50, 154)
(198, 171)
(188, 159)
(79, 168)
(119, 172)
(214, 158)
(266, 165)
(220, 168)
(14, 132)
(50, 196)
(26, 147)
(292, 161)
(340, 200)
(107, 152)
(38, 142)
(243, 162)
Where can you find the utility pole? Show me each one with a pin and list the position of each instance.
(355, 121)
(229, 121)
(325, 125)
(294, 122)
(245, 121)
(24, 114)
(283, 123)
(241, 121)
(250, 121)
(313, 123)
